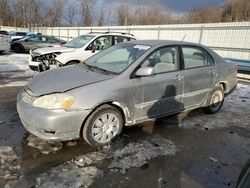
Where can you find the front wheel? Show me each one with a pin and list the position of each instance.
(215, 101)
(103, 126)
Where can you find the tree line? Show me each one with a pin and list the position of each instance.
(30, 13)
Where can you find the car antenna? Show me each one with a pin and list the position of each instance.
(184, 37)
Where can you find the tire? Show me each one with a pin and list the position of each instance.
(97, 132)
(17, 48)
(214, 101)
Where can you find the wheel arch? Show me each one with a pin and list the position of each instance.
(119, 106)
(223, 86)
(75, 60)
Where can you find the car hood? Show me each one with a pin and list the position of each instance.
(49, 50)
(64, 79)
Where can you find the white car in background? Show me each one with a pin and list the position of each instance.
(75, 51)
(4, 41)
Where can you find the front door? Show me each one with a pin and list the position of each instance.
(160, 93)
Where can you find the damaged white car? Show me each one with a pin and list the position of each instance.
(74, 51)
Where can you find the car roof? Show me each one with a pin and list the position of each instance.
(153, 43)
(110, 33)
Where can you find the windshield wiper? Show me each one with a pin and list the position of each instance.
(94, 67)
(103, 70)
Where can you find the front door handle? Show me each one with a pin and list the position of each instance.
(211, 71)
(178, 77)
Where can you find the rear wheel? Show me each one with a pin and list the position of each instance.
(103, 126)
(215, 101)
(17, 48)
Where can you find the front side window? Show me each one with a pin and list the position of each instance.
(101, 43)
(32, 39)
(195, 57)
(163, 60)
(117, 58)
(79, 42)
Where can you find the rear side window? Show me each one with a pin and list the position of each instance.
(196, 57)
(119, 39)
(20, 34)
(4, 33)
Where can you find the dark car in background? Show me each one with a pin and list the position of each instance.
(36, 41)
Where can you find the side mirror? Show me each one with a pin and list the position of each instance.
(95, 47)
(145, 71)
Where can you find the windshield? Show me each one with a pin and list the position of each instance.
(79, 42)
(117, 58)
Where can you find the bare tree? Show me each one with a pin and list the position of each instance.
(123, 14)
(100, 19)
(72, 11)
(236, 10)
(54, 12)
(151, 14)
(3, 11)
(86, 11)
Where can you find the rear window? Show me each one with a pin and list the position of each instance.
(4, 33)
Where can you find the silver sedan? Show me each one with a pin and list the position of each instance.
(124, 85)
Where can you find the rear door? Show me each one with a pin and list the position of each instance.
(160, 93)
(199, 72)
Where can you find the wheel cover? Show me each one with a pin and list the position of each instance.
(105, 128)
(216, 100)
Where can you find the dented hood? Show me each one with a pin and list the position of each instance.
(64, 79)
(49, 50)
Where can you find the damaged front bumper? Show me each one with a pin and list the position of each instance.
(45, 62)
(48, 124)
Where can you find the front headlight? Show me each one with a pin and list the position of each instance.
(54, 101)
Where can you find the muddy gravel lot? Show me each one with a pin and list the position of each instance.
(190, 149)
(186, 150)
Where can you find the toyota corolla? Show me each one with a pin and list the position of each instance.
(124, 85)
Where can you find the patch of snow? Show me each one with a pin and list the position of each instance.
(15, 65)
(82, 171)
(69, 175)
(235, 105)
(44, 146)
(14, 84)
(9, 166)
(136, 154)
(90, 158)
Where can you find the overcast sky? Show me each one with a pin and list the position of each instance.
(175, 5)
(184, 5)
